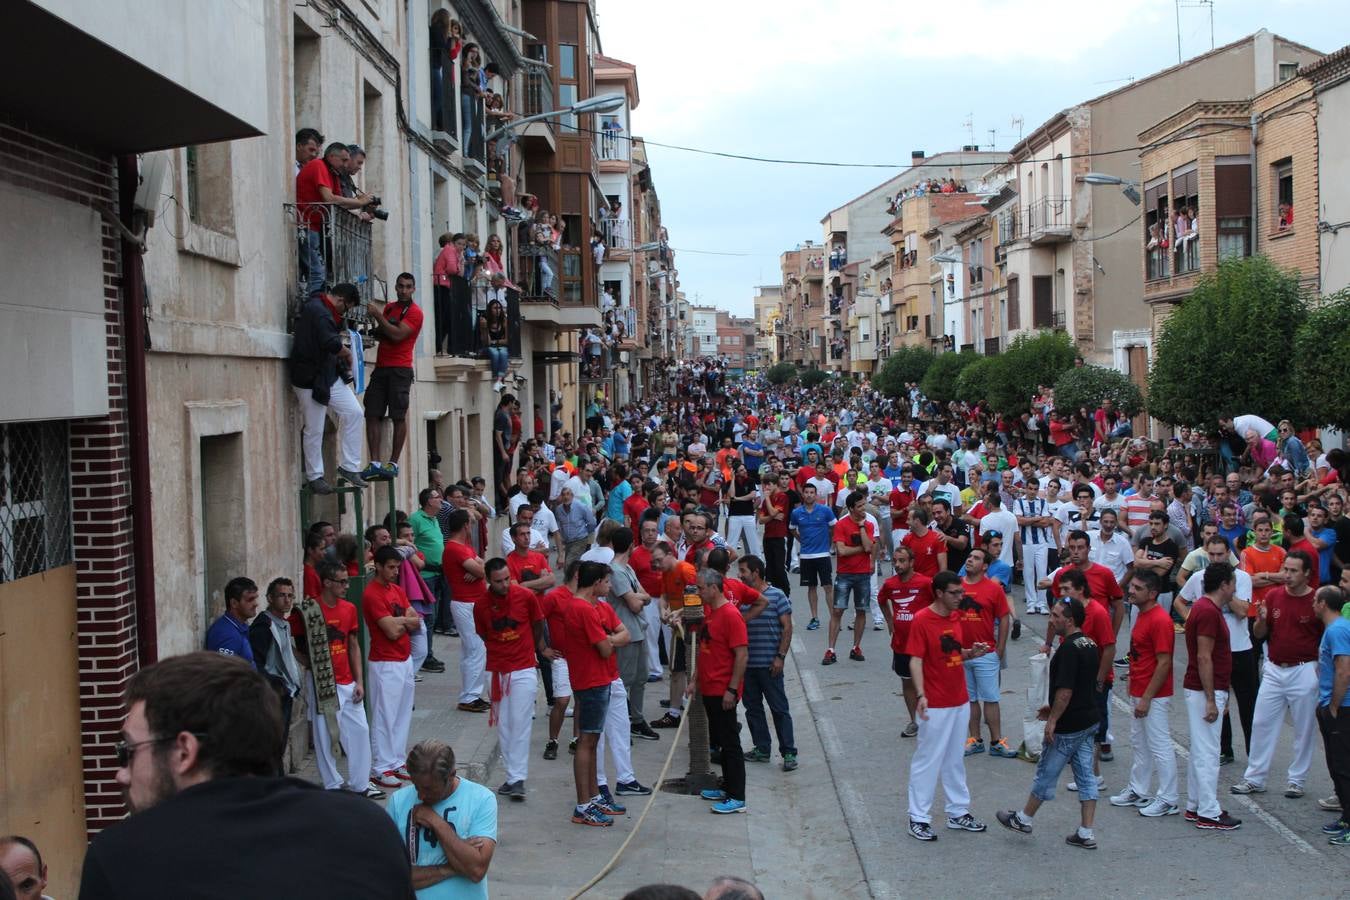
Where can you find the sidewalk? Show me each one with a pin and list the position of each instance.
(792, 842)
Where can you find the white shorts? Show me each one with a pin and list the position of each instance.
(562, 682)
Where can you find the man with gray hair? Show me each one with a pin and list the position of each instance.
(723, 653)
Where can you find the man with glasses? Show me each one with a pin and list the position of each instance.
(199, 745)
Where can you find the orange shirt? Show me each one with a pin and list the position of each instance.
(1254, 561)
(676, 582)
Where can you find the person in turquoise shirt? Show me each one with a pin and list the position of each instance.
(448, 825)
(621, 491)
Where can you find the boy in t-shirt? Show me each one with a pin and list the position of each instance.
(390, 619)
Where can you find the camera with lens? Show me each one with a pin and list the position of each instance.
(376, 208)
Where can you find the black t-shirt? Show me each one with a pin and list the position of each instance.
(956, 556)
(1342, 548)
(1164, 549)
(251, 837)
(1074, 666)
(740, 507)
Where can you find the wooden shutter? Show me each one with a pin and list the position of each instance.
(1233, 190)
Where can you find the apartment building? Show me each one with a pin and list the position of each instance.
(701, 337)
(1330, 78)
(1072, 253)
(802, 325)
(925, 303)
(768, 305)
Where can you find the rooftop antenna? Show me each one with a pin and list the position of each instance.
(1018, 122)
(1200, 4)
(1177, 5)
(993, 138)
(970, 125)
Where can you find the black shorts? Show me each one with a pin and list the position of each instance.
(817, 571)
(387, 393)
(900, 664)
(678, 663)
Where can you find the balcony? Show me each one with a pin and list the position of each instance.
(1001, 255)
(541, 278)
(1048, 221)
(539, 99)
(538, 273)
(618, 234)
(345, 243)
(612, 149)
(444, 102)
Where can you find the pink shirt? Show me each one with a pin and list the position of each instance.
(447, 264)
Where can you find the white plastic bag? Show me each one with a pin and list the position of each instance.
(1038, 688)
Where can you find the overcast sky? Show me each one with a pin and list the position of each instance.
(867, 81)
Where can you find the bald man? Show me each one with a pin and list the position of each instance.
(21, 861)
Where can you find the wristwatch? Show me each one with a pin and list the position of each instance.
(780, 656)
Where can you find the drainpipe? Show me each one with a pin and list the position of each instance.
(135, 343)
(1256, 204)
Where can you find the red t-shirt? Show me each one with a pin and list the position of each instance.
(1294, 633)
(1205, 619)
(1152, 634)
(1097, 625)
(531, 560)
(738, 592)
(776, 528)
(399, 354)
(506, 625)
(849, 533)
(553, 606)
(984, 601)
(342, 623)
(723, 631)
(900, 501)
(804, 474)
(1314, 576)
(633, 508)
(452, 563)
(307, 182)
(925, 550)
(650, 579)
(936, 641)
(585, 625)
(313, 584)
(900, 600)
(1102, 584)
(377, 601)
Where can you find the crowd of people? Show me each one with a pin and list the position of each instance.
(659, 545)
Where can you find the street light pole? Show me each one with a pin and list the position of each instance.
(598, 104)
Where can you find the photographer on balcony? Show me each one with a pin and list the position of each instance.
(317, 190)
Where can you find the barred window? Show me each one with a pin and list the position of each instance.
(35, 516)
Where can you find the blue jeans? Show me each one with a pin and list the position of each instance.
(1073, 749)
(314, 263)
(500, 358)
(858, 584)
(436, 582)
(760, 685)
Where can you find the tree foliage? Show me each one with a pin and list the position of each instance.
(1228, 349)
(906, 364)
(1030, 361)
(973, 384)
(813, 377)
(939, 382)
(1089, 386)
(1321, 361)
(781, 373)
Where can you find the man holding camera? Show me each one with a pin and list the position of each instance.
(397, 326)
(318, 185)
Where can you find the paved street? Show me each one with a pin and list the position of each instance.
(835, 827)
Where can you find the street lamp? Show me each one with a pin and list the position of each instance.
(1127, 187)
(600, 103)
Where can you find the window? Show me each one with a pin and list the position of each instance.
(977, 261)
(35, 515)
(567, 62)
(1184, 220)
(209, 186)
(1157, 229)
(1014, 305)
(567, 96)
(1283, 179)
(1288, 70)
(1233, 207)
(864, 328)
(911, 323)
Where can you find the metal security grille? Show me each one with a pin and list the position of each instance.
(35, 517)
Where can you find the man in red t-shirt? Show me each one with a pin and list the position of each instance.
(723, 651)
(463, 572)
(315, 545)
(529, 568)
(901, 596)
(397, 326)
(316, 195)
(1209, 672)
(853, 539)
(1293, 632)
(1151, 642)
(511, 625)
(936, 663)
(344, 629)
(928, 547)
(1102, 584)
(553, 606)
(773, 515)
(390, 619)
(653, 584)
(984, 604)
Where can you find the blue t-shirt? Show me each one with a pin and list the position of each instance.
(1235, 534)
(765, 631)
(814, 529)
(1335, 642)
(752, 461)
(804, 449)
(229, 636)
(472, 809)
(1327, 535)
(998, 570)
(614, 505)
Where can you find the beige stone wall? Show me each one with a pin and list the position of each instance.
(1288, 130)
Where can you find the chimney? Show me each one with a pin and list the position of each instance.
(915, 156)
(970, 148)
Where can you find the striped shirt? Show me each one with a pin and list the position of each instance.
(1137, 509)
(1033, 508)
(765, 631)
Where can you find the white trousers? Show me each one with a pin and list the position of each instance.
(940, 755)
(353, 732)
(1202, 772)
(350, 422)
(391, 702)
(417, 642)
(1294, 689)
(747, 526)
(514, 714)
(651, 615)
(898, 535)
(472, 653)
(1035, 562)
(1151, 739)
(616, 737)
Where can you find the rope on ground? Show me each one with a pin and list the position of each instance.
(656, 792)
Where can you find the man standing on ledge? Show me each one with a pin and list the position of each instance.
(397, 326)
(936, 665)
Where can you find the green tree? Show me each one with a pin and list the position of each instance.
(1089, 386)
(1228, 348)
(813, 377)
(781, 373)
(906, 364)
(973, 384)
(1030, 361)
(939, 382)
(1321, 360)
